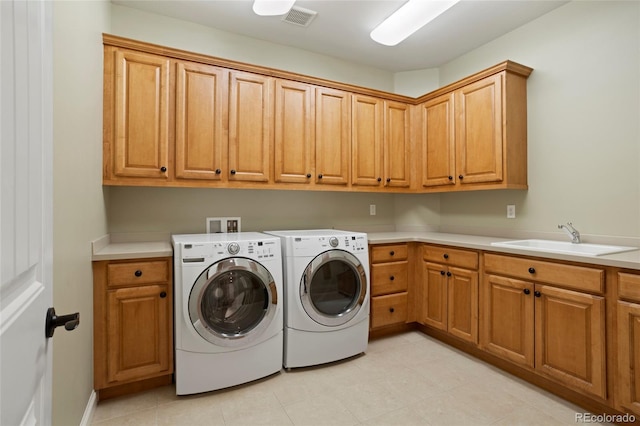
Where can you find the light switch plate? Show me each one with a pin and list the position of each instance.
(511, 211)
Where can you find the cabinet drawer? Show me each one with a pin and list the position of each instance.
(629, 287)
(450, 256)
(387, 310)
(388, 253)
(134, 273)
(569, 276)
(389, 278)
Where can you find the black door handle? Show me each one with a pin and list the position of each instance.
(53, 321)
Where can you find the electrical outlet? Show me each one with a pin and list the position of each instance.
(372, 209)
(511, 211)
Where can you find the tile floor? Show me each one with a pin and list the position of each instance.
(406, 379)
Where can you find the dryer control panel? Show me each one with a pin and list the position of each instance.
(313, 244)
(213, 251)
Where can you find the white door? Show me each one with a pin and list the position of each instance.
(25, 211)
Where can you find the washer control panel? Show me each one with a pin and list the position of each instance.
(213, 251)
(313, 244)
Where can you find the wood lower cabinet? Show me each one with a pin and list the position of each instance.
(529, 319)
(389, 285)
(450, 291)
(133, 325)
(628, 345)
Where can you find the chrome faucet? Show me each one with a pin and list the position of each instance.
(571, 232)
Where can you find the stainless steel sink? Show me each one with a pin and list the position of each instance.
(564, 247)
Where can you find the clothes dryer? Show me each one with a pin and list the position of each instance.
(228, 309)
(326, 286)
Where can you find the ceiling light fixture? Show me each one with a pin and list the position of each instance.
(412, 16)
(272, 7)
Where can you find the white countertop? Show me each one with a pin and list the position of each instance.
(105, 249)
(630, 260)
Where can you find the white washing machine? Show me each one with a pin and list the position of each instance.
(228, 309)
(326, 285)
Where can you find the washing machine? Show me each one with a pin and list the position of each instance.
(326, 286)
(228, 309)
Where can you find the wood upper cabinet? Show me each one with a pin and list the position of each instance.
(333, 136)
(367, 115)
(628, 351)
(475, 137)
(521, 318)
(294, 132)
(450, 291)
(136, 109)
(397, 145)
(201, 121)
(133, 324)
(250, 127)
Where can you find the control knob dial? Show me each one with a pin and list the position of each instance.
(333, 242)
(233, 248)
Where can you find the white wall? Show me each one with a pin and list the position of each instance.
(79, 207)
(583, 123)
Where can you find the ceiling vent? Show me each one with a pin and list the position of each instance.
(300, 16)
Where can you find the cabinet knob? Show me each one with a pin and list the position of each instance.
(163, 169)
(391, 278)
(308, 175)
(450, 177)
(537, 294)
(379, 179)
(388, 180)
(392, 310)
(526, 291)
(320, 176)
(163, 294)
(391, 253)
(460, 177)
(532, 270)
(442, 272)
(448, 273)
(233, 171)
(446, 256)
(138, 273)
(218, 171)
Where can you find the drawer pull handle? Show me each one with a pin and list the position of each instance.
(532, 270)
(391, 310)
(392, 278)
(537, 294)
(391, 253)
(446, 256)
(526, 291)
(163, 294)
(138, 273)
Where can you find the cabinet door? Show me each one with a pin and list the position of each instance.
(462, 306)
(434, 291)
(201, 117)
(250, 127)
(507, 327)
(333, 136)
(479, 131)
(628, 376)
(293, 132)
(575, 352)
(397, 145)
(141, 116)
(366, 141)
(139, 332)
(438, 143)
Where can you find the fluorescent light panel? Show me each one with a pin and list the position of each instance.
(412, 16)
(272, 7)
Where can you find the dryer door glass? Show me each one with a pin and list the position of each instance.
(233, 301)
(333, 288)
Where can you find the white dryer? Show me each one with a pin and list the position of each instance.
(326, 280)
(228, 309)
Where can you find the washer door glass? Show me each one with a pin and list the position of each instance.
(233, 301)
(333, 288)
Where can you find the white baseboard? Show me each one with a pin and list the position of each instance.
(89, 409)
